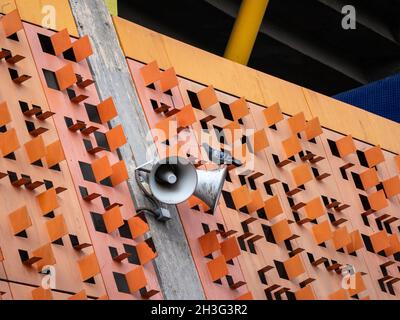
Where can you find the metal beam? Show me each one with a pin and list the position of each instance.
(174, 265)
(245, 30)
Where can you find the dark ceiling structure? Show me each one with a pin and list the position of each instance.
(301, 41)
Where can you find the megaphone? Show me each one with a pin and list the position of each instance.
(174, 179)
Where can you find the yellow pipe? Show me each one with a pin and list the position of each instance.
(245, 30)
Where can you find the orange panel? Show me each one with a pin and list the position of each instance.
(56, 227)
(273, 114)
(47, 256)
(113, 219)
(168, 80)
(136, 279)
(145, 253)
(88, 266)
(42, 294)
(256, 201)
(107, 110)
(305, 293)
(313, 129)
(294, 267)
(217, 268)
(273, 207)
(48, 201)
(207, 97)
(322, 232)
(81, 295)
(101, 168)
(314, 208)
(119, 173)
(54, 153)
(20, 220)
(297, 123)
(374, 156)
(291, 146)
(380, 241)
(356, 242)
(260, 140)
(66, 76)
(82, 48)
(150, 73)
(360, 286)
(116, 137)
(9, 142)
(186, 116)
(341, 238)
(5, 116)
(377, 200)
(341, 294)
(11, 23)
(392, 186)
(239, 109)
(61, 41)
(301, 174)
(281, 231)
(138, 226)
(394, 245)
(230, 248)
(241, 197)
(35, 149)
(369, 178)
(346, 146)
(209, 243)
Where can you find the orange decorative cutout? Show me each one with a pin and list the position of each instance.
(341, 294)
(359, 285)
(374, 156)
(291, 146)
(380, 241)
(392, 186)
(260, 140)
(305, 293)
(207, 97)
(47, 256)
(5, 116)
(394, 245)
(209, 243)
(20, 220)
(56, 228)
(116, 138)
(341, 238)
(107, 110)
(230, 248)
(168, 80)
(82, 48)
(297, 123)
(217, 268)
(241, 197)
(239, 109)
(101, 168)
(66, 76)
(369, 178)
(136, 279)
(42, 294)
(48, 201)
(150, 73)
(314, 208)
(322, 232)
(9, 142)
(61, 41)
(377, 200)
(294, 267)
(11, 23)
(186, 116)
(35, 149)
(273, 114)
(281, 231)
(356, 242)
(273, 207)
(119, 173)
(137, 226)
(145, 253)
(113, 219)
(256, 201)
(88, 266)
(345, 146)
(54, 154)
(301, 174)
(313, 129)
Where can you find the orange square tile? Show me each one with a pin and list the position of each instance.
(20, 220)
(345, 146)
(119, 173)
(42, 294)
(314, 208)
(260, 140)
(150, 73)
(294, 267)
(239, 109)
(374, 156)
(5, 116)
(256, 201)
(217, 268)
(54, 153)
(35, 149)
(101, 168)
(273, 114)
(356, 242)
(168, 80)
(230, 248)
(48, 201)
(291, 146)
(394, 245)
(186, 116)
(273, 207)
(241, 197)
(313, 129)
(281, 231)
(107, 110)
(9, 142)
(167, 128)
(88, 266)
(341, 238)
(392, 186)
(137, 226)
(46, 254)
(305, 293)
(145, 253)
(209, 243)
(66, 76)
(11, 23)
(207, 97)
(380, 241)
(136, 279)
(322, 232)
(377, 200)
(341, 294)
(82, 48)
(61, 41)
(359, 285)
(56, 227)
(297, 123)
(369, 178)
(116, 138)
(232, 132)
(113, 219)
(301, 174)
